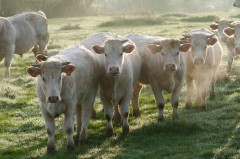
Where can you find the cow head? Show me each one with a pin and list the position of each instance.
(236, 3)
(169, 49)
(220, 26)
(114, 52)
(235, 34)
(50, 76)
(199, 43)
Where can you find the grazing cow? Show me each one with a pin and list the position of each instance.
(163, 68)
(230, 43)
(66, 82)
(202, 62)
(119, 71)
(20, 33)
(236, 3)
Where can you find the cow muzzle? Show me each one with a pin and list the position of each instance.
(53, 99)
(198, 61)
(114, 71)
(170, 67)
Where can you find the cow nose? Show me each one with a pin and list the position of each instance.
(237, 50)
(114, 70)
(198, 61)
(53, 99)
(170, 67)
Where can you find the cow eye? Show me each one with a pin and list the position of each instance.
(177, 53)
(43, 79)
(162, 53)
(121, 54)
(105, 55)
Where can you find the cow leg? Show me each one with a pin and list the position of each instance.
(159, 101)
(108, 110)
(230, 61)
(189, 81)
(174, 101)
(213, 82)
(68, 126)
(135, 99)
(124, 109)
(116, 115)
(79, 119)
(86, 116)
(50, 126)
(8, 61)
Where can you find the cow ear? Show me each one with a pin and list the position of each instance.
(229, 31)
(40, 58)
(211, 41)
(154, 48)
(128, 48)
(68, 69)
(98, 49)
(33, 71)
(185, 47)
(214, 26)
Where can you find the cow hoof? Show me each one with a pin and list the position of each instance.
(70, 148)
(51, 149)
(136, 113)
(160, 119)
(109, 132)
(117, 119)
(212, 96)
(94, 114)
(125, 130)
(82, 141)
(188, 105)
(175, 117)
(204, 108)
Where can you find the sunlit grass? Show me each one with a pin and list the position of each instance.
(212, 134)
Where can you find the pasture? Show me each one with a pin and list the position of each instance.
(200, 135)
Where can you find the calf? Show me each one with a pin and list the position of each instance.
(119, 71)
(65, 82)
(20, 33)
(230, 43)
(163, 68)
(202, 62)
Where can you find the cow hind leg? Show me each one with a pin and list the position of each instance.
(188, 104)
(135, 99)
(213, 82)
(8, 61)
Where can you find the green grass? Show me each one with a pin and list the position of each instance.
(209, 18)
(201, 135)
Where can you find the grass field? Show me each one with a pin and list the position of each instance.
(199, 135)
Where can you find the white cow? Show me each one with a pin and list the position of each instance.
(65, 82)
(236, 3)
(219, 26)
(20, 33)
(163, 68)
(119, 71)
(202, 62)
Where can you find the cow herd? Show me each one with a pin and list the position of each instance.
(117, 68)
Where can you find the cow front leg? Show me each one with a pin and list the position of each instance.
(8, 61)
(174, 101)
(68, 127)
(159, 101)
(124, 109)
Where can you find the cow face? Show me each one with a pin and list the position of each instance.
(234, 33)
(236, 3)
(199, 43)
(114, 52)
(169, 50)
(51, 74)
(220, 26)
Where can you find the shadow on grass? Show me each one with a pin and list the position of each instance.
(138, 21)
(202, 19)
